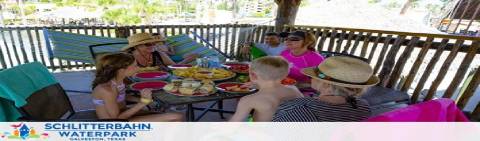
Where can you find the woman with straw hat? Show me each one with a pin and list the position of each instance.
(339, 80)
(142, 47)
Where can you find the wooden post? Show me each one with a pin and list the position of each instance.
(286, 13)
(39, 43)
(418, 62)
(374, 47)
(121, 32)
(462, 70)
(427, 71)
(382, 54)
(443, 70)
(470, 91)
(389, 62)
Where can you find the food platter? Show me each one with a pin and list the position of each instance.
(154, 85)
(214, 74)
(190, 87)
(289, 81)
(151, 76)
(193, 95)
(148, 69)
(180, 66)
(237, 67)
(233, 87)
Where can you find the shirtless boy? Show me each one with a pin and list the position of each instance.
(267, 73)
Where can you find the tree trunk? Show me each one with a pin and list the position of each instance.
(286, 13)
(406, 6)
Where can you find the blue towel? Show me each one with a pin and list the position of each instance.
(18, 83)
(8, 111)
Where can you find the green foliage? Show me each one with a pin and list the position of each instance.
(259, 14)
(30, 9)
(393, 4)
(374, 1)
(222, 6)
(304, 3)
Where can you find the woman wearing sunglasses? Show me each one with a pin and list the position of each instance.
(142, 47)
(301, 54)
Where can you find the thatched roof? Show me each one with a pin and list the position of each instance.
(470, 10)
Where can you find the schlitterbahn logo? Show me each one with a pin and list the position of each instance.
(22, 132)
(97, 130)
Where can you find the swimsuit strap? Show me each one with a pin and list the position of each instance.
(120, 88)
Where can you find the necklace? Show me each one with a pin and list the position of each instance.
(146, 57)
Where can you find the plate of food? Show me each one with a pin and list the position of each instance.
(237, 67)
(234, 87)
(154, 85)
(289, 81)
(148, 69)
(190, 87)
(215, 74)
(152, 75)
(180, 66)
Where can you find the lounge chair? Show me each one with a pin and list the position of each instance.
(84, 48)
(31, 93)
(75, 47)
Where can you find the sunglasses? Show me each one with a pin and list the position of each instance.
(149, 44)
(293, 39)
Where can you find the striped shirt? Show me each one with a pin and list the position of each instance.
(313, 110)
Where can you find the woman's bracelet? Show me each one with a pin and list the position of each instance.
(145, 101)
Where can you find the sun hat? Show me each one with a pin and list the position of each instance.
(343, 71)
(298, 33)
(139, 39)
(159, 36)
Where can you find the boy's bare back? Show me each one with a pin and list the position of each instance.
(265, 102)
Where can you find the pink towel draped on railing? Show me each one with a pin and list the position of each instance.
(440, 110)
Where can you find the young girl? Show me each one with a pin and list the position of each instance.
(300, 53)
(109, 91)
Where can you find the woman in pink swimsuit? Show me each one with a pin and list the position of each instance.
(300, 53)
(109, 91)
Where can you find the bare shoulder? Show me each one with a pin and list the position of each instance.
(293, 91)
(253, 98)
(102, 90)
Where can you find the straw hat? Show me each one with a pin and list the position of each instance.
(138, 39)
(160, 36)
(343, 71)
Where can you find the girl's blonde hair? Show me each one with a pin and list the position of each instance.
(270, 67)
(310, 41)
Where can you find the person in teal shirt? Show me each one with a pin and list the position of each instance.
(272, 47)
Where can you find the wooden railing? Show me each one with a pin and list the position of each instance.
(26, 44)
(399, 58)
(416, 63)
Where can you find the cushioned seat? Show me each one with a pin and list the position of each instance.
(377, 95)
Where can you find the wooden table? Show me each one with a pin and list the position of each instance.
(173, 100)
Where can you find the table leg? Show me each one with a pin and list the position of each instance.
(220, 106)
(190, 113)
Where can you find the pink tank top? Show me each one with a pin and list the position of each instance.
(297, 63)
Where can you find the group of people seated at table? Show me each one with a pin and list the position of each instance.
(338, 81)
